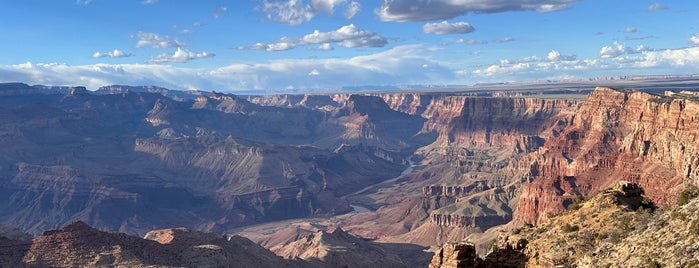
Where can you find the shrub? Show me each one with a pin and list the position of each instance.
(651, 263)
(567, 228)
(694, 227)
(686, 195)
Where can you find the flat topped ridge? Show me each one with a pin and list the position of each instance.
(177, 235)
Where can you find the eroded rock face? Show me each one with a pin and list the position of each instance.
(455, 255)
(615, 135)
(131, 159)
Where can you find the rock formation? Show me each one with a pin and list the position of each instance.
(617, 227)
(212, 163)
(615, 135)
(79, 245)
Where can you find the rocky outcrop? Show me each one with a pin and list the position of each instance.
(615, 135)
(617, 227)
(455, 255)
(480, 222)
(336, 248)
(79, 245)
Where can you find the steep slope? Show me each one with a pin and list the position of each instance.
(149, 161)
(615, 135)
(79, 245)
(470, 178)
(618, 227)
(336, 248)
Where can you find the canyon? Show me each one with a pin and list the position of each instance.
(326, 180)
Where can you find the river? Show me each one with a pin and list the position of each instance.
(406, 171)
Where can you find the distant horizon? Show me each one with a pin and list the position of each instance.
(300, 44)
(505, 85)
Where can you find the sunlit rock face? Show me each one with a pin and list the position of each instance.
(615, 135)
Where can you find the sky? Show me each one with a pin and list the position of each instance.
(297, 45)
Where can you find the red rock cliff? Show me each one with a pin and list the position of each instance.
(615, 135)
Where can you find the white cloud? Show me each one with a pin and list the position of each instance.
(112, 54)
(470, 41)
(181, 55)
(554, 55)
(618, 49)
(447, 28)
(411, 10)
(630, 30)
(314, 72)
(322, 47)
(83, 2)
(146, 39)
(551, 7)
(656, 6)
(398, 65)
(292, 12)
(352, 9)
(668, 61)
(670, 57)
(295, 12)
(218, 11)
(694, 39)
(347, 36)
(327, 6)
(503, 40)
(148, 2)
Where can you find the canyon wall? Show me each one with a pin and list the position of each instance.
(615, 135)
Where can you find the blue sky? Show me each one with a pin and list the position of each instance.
(326, 44)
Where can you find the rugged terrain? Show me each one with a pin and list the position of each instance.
(79, 245)
(135, 161)
(337, 177)
(619, 227)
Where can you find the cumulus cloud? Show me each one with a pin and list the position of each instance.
(352, 9)
(218, 11)
(411, 10)
(447, 28)
(347, 36)
(554, 55)
(112, 54)
(314, 72)
(617, 49)
(292, 12)
(670, 57)
(503, 40)
(694, 39)
(630, 30)
(656, 6)
(295, 12)
(322, 47)
(181, 55)
(146, 39)
(682, 60)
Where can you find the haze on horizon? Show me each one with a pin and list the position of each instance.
(295, 44)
